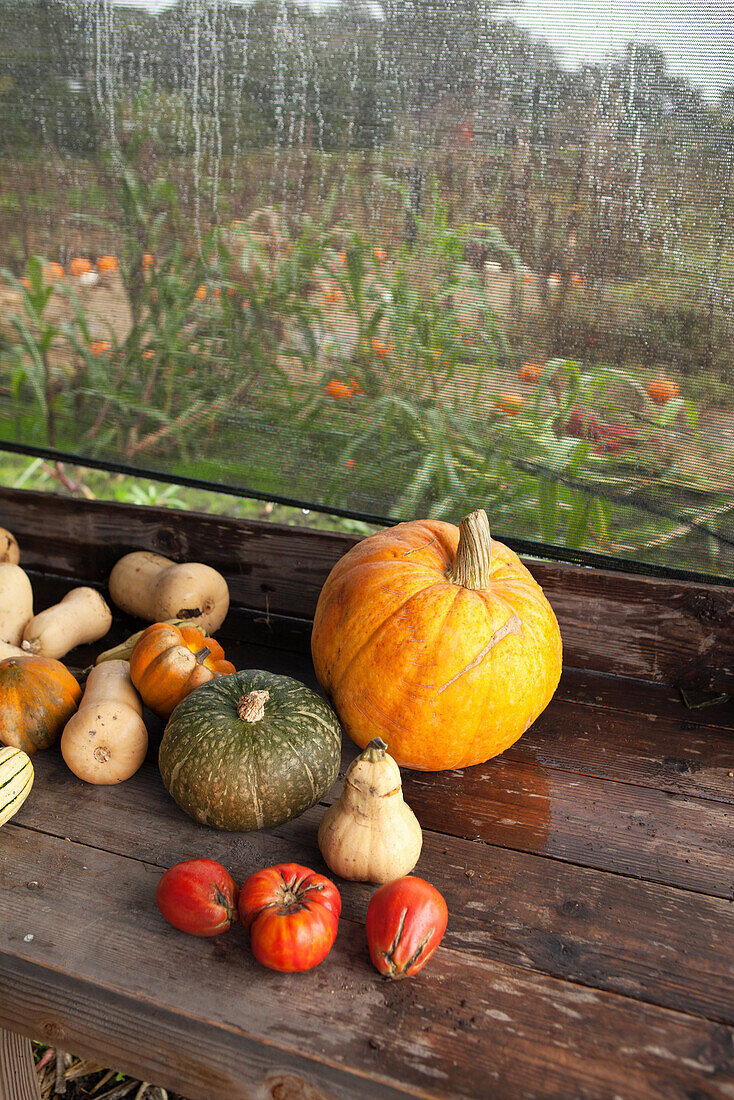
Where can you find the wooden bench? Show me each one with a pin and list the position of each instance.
(589, 871)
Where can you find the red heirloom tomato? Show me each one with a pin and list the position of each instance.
(198, 896)
(292, 914)
(406, 920)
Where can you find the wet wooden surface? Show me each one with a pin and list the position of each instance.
(589, 875)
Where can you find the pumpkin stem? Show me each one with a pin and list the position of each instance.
(474, 553)
(374, 751)
(251, 707)
(202, 655)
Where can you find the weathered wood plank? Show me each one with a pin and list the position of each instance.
(594, 928)
(613, 622)
(427, 1037)
(637, 831)
(670, 755)
(17, 1072)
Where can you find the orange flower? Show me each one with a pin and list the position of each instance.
(52, 272)
(217, 292)
(231, 292)
(527, 276)
(340, 391)
(333, 296)
(554, 279)
(530, 372)
(381, 349)
(576, 279)
(510, 403)
(79, 266)
(350, 464)
(343, 256)
(356, 388)
(147, 260)
(26, 282)
(201, 293)
(100, 347)
(107, 264)
(245, 303)
(148, 354)
(380, 255)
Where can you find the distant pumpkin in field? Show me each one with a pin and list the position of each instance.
(662, 390)
(106, 265)
(147, 260)
(340, 391)
(201, 293)
(531, 372)
(380, 348)
(380, 255)
(509, 403)
(100, 347)
(80, 266)
(54, 272)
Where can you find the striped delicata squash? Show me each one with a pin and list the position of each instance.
(16, 780)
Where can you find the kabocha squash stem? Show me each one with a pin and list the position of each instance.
(251, 707)
(474, 555)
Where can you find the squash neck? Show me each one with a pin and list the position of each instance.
(473, 561)
(375, 751)
(251, 707)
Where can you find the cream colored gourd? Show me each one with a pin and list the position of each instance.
(9, 549)
(16, 780)
(157, 589)
(371, 834)
(7, 650)
(82, 616)
(16, 603)
(106, 740)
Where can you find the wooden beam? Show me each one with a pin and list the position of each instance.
(17, 1071)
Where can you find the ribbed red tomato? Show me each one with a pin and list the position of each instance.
(406, 920)
(198, 896)
(292, 914)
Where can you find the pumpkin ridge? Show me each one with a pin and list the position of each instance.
(383, 623)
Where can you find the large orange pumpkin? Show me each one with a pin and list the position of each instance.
(168, 662)
(438, 640)
(38, 696)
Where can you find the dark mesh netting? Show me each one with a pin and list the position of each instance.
(391, 259)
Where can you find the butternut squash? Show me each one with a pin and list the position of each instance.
(16, 603)
(156, 589)
(371, 834)
(11, 651)
(106, 740)
(9, 550)
(82, 616)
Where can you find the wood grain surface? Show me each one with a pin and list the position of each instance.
(619, 623)
(473, 1028)
(17, 1072)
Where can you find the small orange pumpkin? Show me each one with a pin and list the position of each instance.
(169, 661)
(662, 390)
(80, 266)
(509, 403)
(438, 640)
(38, 696)
(531, 372)
(107, 264)
(340, 391)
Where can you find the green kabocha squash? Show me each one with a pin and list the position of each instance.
(250, 750)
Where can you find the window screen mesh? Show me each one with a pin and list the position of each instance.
(399, 259)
